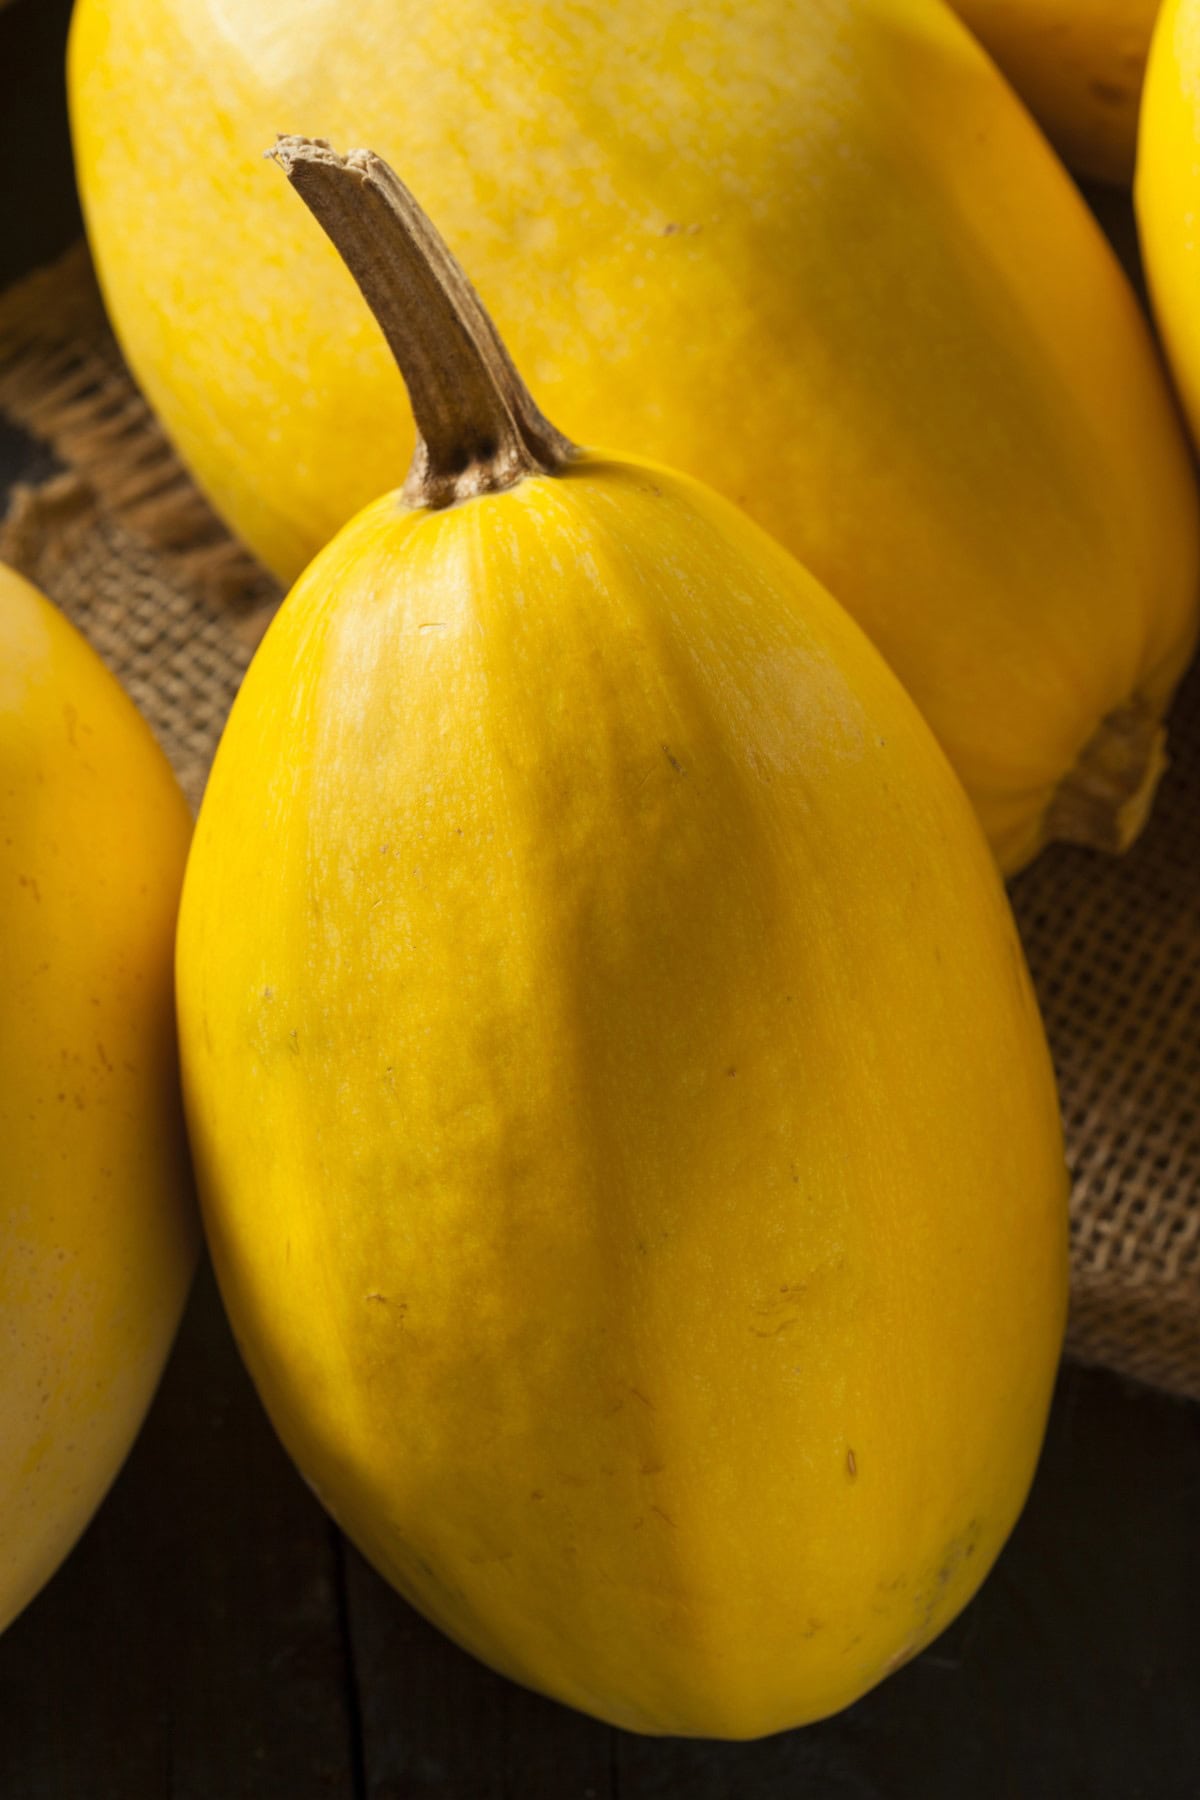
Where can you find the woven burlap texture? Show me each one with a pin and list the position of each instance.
(123, 542)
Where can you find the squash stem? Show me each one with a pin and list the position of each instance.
(1105, 800)
(478, 428)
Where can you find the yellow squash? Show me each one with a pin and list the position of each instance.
(626, 1136)
(1167, 193)
(1078, 65)
(97, 1228)
(814, 254)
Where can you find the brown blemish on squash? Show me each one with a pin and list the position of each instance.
(792, 1294)
(775, 1329)
(851, 1463)
(929, 1599)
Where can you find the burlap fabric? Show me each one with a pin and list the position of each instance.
(120, 538)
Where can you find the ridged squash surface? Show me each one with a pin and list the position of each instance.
(1079, 66)
(625, 1131)
(97, 1227)
(814, 254)
(1167, 194)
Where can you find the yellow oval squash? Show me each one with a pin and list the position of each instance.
(1079, 66)
(624, 1127)
(1167, 193)
(815, 255)
(97, 1228)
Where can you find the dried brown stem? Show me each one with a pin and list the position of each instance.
(478, 429)
(1105, 800)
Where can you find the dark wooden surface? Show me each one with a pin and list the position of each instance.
(213, 1637)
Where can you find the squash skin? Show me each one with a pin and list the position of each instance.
(828, 267)
(625, 1133)
(98, 1233)
(1079, 67)
(1167, 194)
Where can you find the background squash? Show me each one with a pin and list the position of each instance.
(815, 255)
(1079, 66)
(97, 1229)
(1167, 194)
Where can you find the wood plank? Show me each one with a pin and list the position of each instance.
(192, 1647)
